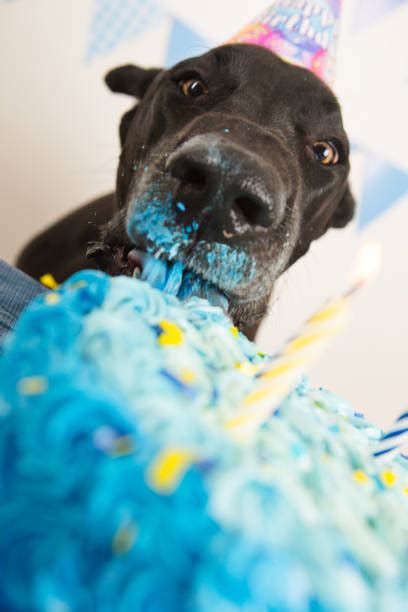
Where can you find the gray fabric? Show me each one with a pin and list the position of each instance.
(16, 291)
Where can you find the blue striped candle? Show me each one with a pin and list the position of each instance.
(391, 442)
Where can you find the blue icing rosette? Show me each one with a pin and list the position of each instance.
(122, 489)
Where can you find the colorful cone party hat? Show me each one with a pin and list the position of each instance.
(303, 32)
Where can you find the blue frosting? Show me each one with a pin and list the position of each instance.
(121, 488)
(173, 279)
(233, 266)
(156, 220)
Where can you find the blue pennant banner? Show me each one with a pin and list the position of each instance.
(383, 185)
(115, 21)
(184, 42)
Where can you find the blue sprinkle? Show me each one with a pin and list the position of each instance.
(179, 384)
(195, 225)
(207, 465)
(181, 206)
(157, 329)
(379, 483)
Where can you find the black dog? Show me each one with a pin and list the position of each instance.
(232, 163)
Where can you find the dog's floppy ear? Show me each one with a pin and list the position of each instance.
(345, 209)
(125, 124)
(131, 80)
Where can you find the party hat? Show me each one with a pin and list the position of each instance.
(303, 32)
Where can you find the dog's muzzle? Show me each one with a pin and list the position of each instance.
(234, 185)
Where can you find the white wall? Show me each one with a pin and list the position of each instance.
(60, 147)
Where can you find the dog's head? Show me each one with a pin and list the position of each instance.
(232, 163)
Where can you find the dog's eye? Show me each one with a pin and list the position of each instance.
(326, 152)
(193, 88)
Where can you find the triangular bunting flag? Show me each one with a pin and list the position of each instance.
(184, 42)
(114, 21)
(383, 185)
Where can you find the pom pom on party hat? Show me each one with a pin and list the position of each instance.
(303, 32)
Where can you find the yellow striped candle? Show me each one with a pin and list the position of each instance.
(280, 374)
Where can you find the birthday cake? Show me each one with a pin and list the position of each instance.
(121, 488)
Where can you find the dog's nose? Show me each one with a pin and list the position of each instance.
(218, 175)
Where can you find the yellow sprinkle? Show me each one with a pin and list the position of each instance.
(361, 476)
(246, 368)
(330, 311)
(49, 281)
(168, 469)
(52, 298)
(171, 335)
(234, 331)
(124, 538)
(32, 385)
(405, 490)
(388, 478)
(187, 376)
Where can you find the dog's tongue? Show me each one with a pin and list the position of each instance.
(172, 278)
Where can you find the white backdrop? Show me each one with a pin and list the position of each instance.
(60, 148)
